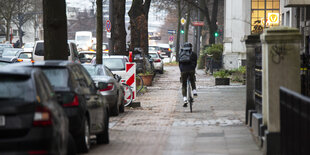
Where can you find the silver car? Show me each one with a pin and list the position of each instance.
(11, 52)
(113, 89)
(157, 61)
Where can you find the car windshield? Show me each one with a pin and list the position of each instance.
(153, 55)
(25, 55)
(58, 77)
(9, 52)
(83, 38)
(114, 64)
(87, 55)
(16, 87)
(94, 70)
(153, 48)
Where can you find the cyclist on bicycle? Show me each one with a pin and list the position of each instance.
(187, 64)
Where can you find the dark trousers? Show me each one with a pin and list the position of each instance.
(192, 78)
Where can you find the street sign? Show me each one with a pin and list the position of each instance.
(273, 18)
(171, 38)
(198, 23)
(108, 26)
(108, 34)
(172, 31)
(183, 21)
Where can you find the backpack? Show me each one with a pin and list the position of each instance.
(185, 55)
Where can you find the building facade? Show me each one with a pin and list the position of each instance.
(242, 18)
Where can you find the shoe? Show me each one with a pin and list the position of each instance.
(195, 92)
(185, 105)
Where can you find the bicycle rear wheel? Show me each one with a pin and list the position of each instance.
(128, 94)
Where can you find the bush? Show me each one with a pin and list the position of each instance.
(221, 74)
(237, 75)
(215, 49)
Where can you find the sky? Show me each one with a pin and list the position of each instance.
(79, 3)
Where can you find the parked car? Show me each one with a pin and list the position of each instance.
(105, 47)
(3, 46)
(154, 48)
(80, 98)
(116, 63)
(86, 56)
(139, 61)
(113, 89)
(11, 52)
(23, 56)
(165, 49)
(7, 61)
(31, 120)
(28, 47)
(38, 51)
(157, 61)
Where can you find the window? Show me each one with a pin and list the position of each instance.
(287, 18)
(265, 13)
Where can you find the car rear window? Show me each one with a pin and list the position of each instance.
(94, 70)
(114, 64)
(87, 55)
(153, 55)
(25, 55)
(16, 87)
(58, 77)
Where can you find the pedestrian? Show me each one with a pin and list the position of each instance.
(17, 43)
(187, 65)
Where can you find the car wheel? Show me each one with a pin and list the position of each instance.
(103, 138)
(71, 149)
(122, 106)
(83, 142)
(161, 71)
(115, 110)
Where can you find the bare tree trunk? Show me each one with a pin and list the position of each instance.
(177, 48)
(8, 27)
(187, 23)
(119, 33)
(55, 30)
(99, 32)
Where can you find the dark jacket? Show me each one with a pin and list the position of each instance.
(189, 66)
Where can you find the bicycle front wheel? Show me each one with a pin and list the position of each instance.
(128, 94)
(140, 84)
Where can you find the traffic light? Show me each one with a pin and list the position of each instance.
(182, 31)
(216, 34)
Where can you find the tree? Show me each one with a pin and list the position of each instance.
(138, 14)
(7, 11)
(203, 6)
(55, 30)
(119, 32)
(99, 32)
(23, 13)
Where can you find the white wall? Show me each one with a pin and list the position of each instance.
(237, 25)
(287, 15)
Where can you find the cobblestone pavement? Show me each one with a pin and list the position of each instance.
(163, 126)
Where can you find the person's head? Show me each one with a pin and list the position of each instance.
(187, 45)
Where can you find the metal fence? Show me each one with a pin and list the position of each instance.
(258, 79)
(295, 123)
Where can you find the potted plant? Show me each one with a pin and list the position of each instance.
(222, 77)
(147, 78)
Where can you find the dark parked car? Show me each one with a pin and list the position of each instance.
(31, 120)
(84, 105)
(113, 89)
(149, 63)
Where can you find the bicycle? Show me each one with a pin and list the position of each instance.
(189, 94)
(128, 95)
(140, 85)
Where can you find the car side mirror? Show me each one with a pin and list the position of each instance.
(117, 77)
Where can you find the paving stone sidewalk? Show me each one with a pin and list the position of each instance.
(163, 126)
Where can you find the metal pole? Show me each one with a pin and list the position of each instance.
(111, 42)
(198, 34)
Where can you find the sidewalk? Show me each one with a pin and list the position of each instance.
(216, 125)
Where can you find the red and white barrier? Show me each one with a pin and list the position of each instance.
(131, 78)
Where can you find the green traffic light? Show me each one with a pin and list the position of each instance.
(182, 31)
(216, 34)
